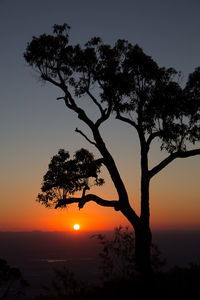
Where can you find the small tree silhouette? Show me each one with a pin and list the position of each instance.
(66, 176)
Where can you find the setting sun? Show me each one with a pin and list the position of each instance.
(76, 226)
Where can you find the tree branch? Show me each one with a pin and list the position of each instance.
(49, 79)
(95, 102)
(153, 136)
(69, 101)
(126, 120)
(170, 158)
(90, 197)
(71, 104)
(105, 115)
(85, 136)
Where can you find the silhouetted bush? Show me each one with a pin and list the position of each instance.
(12, 283)
(64, 285)
(117, 255)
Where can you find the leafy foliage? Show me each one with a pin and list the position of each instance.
(127, 81)
(66, 176)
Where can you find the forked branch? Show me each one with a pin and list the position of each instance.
(126, 120)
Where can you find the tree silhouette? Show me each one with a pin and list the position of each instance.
(122, 80)
(66, 176)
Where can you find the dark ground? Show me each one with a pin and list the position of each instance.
(37, 254)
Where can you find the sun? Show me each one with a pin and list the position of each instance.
(76, 226)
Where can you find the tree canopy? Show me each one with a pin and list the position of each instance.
(126, 80)
(66, 176)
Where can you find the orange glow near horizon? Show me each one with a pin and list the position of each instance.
(34, 125)
(165, 214)
(174, 204)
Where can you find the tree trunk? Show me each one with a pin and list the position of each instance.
(140, 224)
(143, 239)
(143, 235)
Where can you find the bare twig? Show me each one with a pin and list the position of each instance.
(85, 136)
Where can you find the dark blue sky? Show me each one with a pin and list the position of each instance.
(32, 124)
(167, 30)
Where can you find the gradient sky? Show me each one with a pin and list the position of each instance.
(33, 125)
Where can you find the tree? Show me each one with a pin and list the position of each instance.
(67, 176)
(122, 80)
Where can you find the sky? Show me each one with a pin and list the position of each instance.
(33, 125)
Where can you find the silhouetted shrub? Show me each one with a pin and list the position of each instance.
(117, 255)
(63, 286)
(12, 283)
